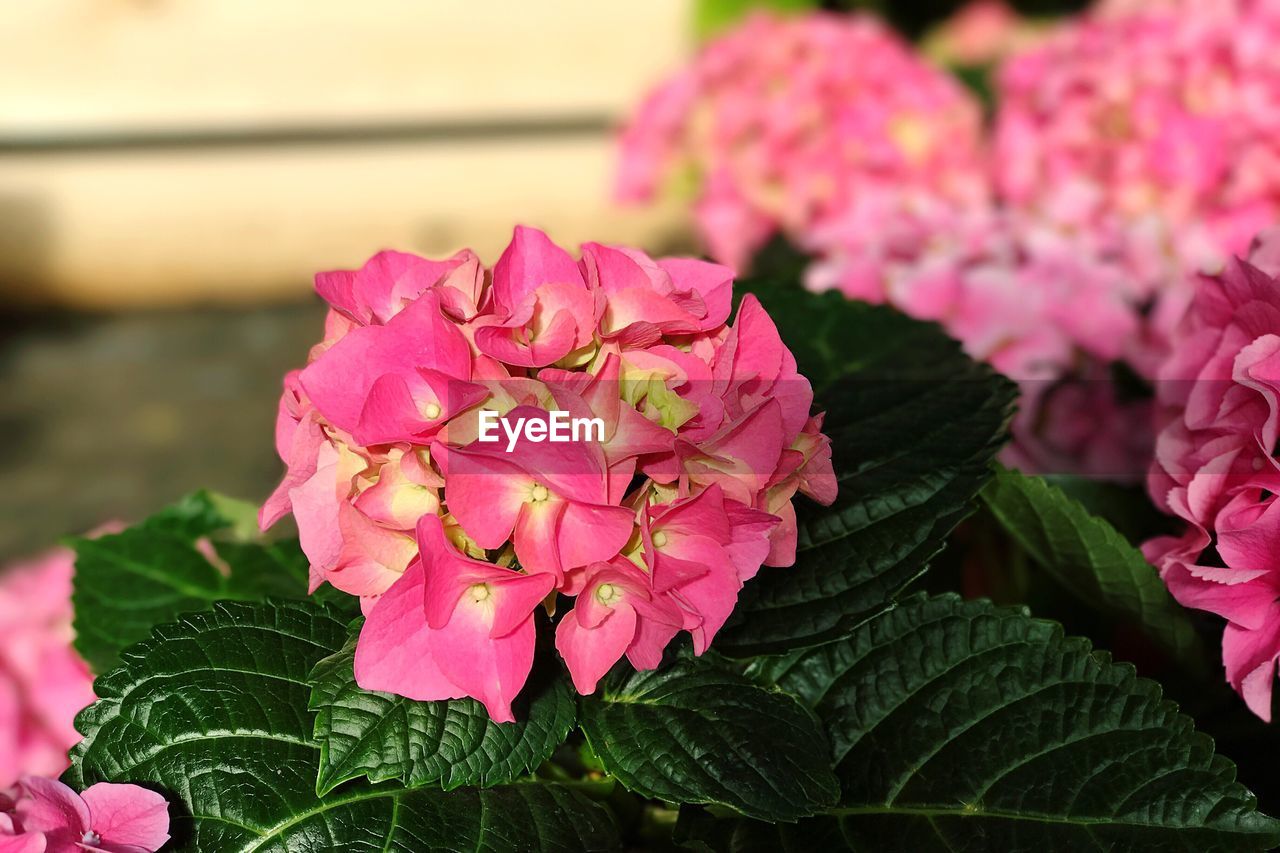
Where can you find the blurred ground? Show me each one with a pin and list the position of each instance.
(112, 416)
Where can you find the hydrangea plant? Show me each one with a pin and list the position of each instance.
(747, 656)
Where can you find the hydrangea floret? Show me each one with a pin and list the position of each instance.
(41, 815)
(1215, 466)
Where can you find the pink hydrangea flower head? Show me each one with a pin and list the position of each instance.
(783, 120)
(43, 681)
(48, 817)
(1048, 307)
(1215, 469)
(433, 472)
(1164, 110)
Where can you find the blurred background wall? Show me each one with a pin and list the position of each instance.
(166, 151)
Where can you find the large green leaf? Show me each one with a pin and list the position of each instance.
(964, 726)
(914, 424)
(1089, 557)
(448, 744)
(212, 711)
(695, 733)
(126, 583)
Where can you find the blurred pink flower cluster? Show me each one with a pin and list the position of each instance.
(1165, 111)
(45, 816)
(1215, 465)
(1132, 146)
(1047, 307)
(43, 681)
(452, 542)
(785, 120)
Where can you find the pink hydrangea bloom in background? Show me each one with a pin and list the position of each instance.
(453, 542)
(43, 681)
(1215, 468)
(1049, 308)
(982, 33)
(783, 121)
(45, 816)
(1166, 111)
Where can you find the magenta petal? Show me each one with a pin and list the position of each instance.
(27, 842)
(339, 381)
(651, 639)
(449, 576)
(531, 260)
(536, 537)
(395, 651)
(712, 596)
(128, 815)
(590, 652)
(484, 493)
(783, 538)
(553, 344)
(50, 807)
(713, 282)
(1250, 659)
(756, 440)
(315, 508)
(390, 413)
(490, 670)
(516, 597)
(589, 533)
(616, 270)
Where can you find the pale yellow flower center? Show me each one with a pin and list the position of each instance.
(606, 593)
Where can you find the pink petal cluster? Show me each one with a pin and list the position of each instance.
(784, 120)
(1150, 110)
(43, 681)
(1215, 467)
(45, 816)
(653, 524)
(1049, 308)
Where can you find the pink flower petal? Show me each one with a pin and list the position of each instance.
(50, 807)
(128, 815)
(395, 652)
(590, 652)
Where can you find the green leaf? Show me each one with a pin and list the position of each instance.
(710, 17)
(696, 734)
(126, 583)
(448, 744)
(1126, 507)
(914, 424)
(212, 711)
(1090, 558)
(964, 726)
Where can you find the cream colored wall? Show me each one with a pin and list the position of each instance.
(191, 217)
